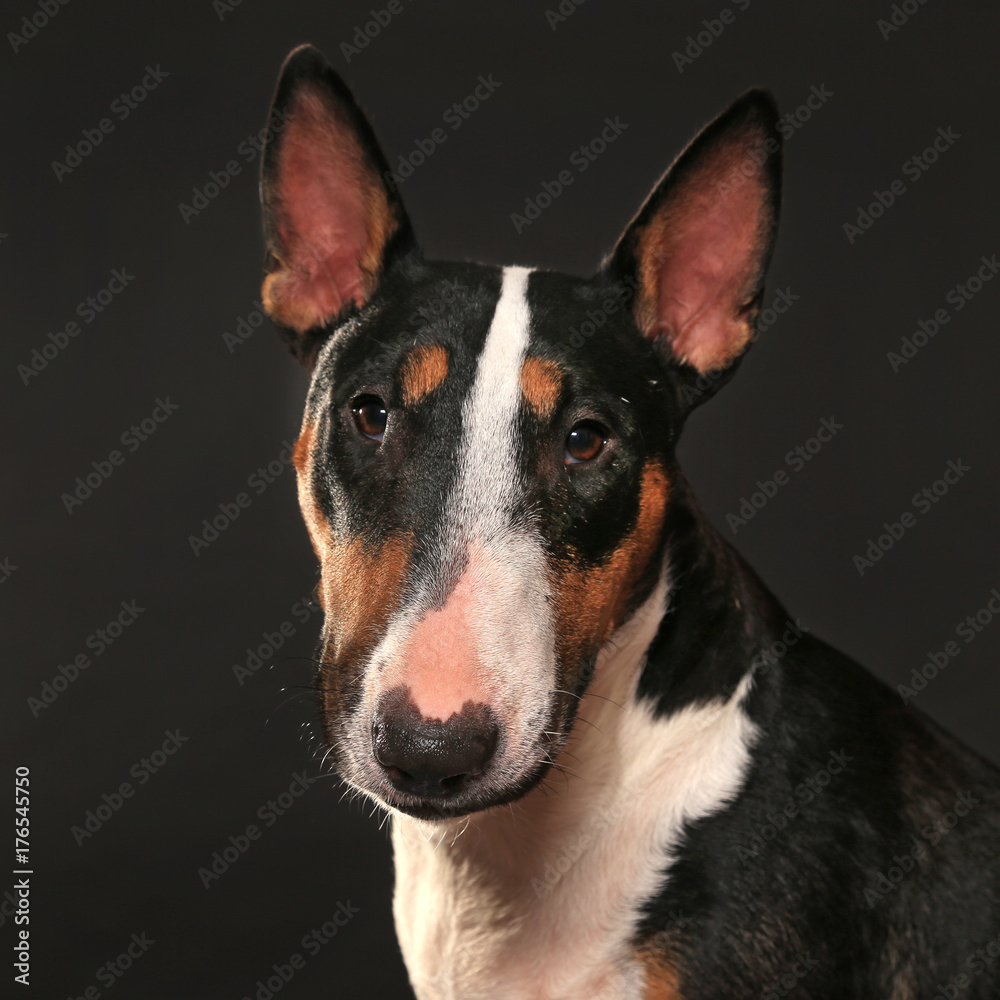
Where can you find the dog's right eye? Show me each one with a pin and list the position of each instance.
(370, 416)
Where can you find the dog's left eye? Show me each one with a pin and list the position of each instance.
(585, 442)
(370, 416)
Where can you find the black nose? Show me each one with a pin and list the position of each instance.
(427, 757)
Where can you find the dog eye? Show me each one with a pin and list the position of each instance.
(371, 416)
(585, 442)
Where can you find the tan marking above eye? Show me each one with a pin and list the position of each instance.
(541, 384)
(424, 369)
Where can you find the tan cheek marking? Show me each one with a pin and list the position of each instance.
(316, 523)
(300, 453)
(424, 370)
(358, 590)
(541, 384)
(591, 601)
(359, 584)
(361, 587)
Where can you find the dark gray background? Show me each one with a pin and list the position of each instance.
(162, 336)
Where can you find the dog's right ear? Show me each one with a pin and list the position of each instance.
(331, 222)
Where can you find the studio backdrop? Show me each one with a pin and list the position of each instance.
(184, 838)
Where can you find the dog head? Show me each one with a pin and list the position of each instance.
(487, 455)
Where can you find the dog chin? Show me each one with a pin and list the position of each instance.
(440, 808)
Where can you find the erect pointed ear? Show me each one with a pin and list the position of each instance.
(697, 252)
(331, 222)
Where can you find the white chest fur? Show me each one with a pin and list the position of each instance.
(538, 901)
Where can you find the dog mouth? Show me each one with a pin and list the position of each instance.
(429, 775)
(479, 795)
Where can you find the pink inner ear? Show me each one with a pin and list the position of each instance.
(332, 218)
(705, 251)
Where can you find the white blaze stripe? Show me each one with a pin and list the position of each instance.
(488, 475)
(502, 561)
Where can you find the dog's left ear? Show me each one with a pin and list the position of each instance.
(697, 252)
(332, 223)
